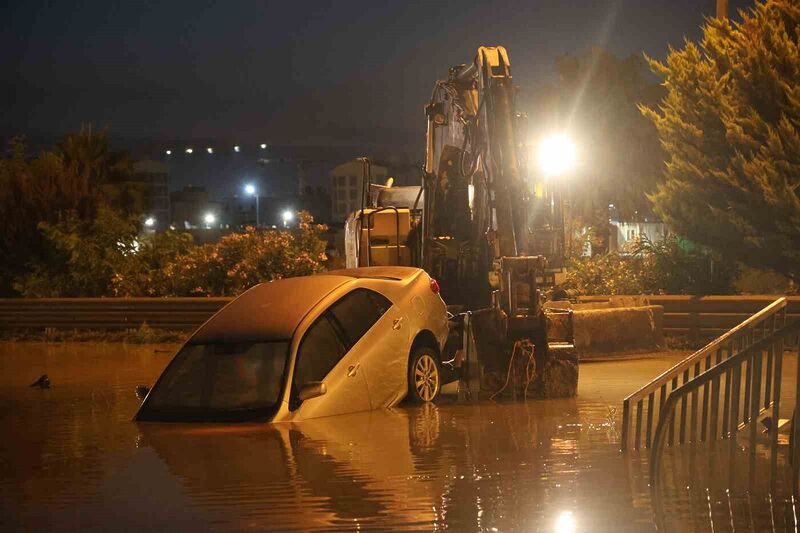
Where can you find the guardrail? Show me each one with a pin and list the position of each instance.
(698, 316)
(707, 316)
(736, 340)
(107, 313)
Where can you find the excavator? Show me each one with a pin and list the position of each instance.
(487, 228)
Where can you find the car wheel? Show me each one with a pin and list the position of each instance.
(424, 375)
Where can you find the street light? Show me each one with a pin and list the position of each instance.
(169, 152)
(189, 150)
(150, 222)
(252, 191)
(556, 155)
(237, 148)
(209, 218)
(263, 146)
(210, 150)
(287, 217)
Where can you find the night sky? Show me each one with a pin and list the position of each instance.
(290, 72)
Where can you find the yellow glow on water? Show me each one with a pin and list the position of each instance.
(565, 523)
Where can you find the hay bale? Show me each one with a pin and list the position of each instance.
(618, 329)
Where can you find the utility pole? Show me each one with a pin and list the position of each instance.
(722, 9)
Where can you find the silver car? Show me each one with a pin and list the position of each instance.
(308, 347)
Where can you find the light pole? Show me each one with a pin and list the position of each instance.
(557, 157)
(287, 217)
(252, 191)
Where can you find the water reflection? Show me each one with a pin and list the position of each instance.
(74, 461)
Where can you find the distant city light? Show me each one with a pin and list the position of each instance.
(189, 150)
(209, 218)
(287, 217)
(150, 222)
(210, 150)
(263, 146)
(169, 152)
(237, 148)
(556, 155)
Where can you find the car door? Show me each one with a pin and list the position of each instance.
(377, 333)
(323, 356)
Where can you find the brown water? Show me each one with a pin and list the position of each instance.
(71, 459)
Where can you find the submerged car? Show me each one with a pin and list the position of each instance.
(308, 347)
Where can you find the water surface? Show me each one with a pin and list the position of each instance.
(73, 460)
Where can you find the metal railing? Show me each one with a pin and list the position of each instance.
(645, 407)
(751, 394)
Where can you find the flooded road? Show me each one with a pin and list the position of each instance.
(71, 458)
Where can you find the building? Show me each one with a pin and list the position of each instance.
(189, 207)
(347, 182)
(625, 233)
(154, 177)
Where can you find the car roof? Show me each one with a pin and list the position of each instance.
(268, 311)
(400, 273)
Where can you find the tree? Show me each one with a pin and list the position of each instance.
(81, 257)
(729, 124)
(73, 180)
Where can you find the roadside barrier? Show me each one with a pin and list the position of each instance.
(696, 316)
(107, 313)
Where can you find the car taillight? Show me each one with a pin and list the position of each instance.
(434, 286)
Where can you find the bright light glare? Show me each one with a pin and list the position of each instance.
(250, 189)
(169, 152)
(210, 150)
(263, 146)
(189, 150)
(150, 222)
(565, 523)
(287, 216)
(209, 218)
(237, 148)
(556, 155)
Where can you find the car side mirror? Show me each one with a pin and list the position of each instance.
(141, 391)
(312, 389)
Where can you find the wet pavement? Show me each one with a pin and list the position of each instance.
(71, 459)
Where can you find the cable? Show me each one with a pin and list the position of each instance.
(524, 345)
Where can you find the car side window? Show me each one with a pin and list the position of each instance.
(320, 350)
(357, 311)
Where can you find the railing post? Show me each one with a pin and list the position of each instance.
(776, 404)
(651, 400)
(626, 421)
(638, 435)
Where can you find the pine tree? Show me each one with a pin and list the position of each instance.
(729, 125)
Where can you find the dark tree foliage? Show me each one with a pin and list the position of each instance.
(729, 124)
(74, 179)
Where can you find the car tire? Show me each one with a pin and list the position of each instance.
(424, 375)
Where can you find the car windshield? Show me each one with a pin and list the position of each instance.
(219, 382)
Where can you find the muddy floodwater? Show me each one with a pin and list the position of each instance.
(72, 460)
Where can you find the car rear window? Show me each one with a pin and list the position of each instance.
(208, 381)
(357, 311)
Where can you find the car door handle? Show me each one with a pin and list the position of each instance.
(352, 369)
(398, 323)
